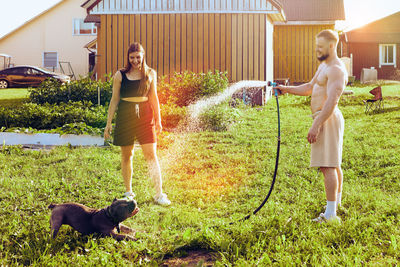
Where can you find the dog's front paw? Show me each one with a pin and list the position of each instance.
(121, 237)
(130, 238)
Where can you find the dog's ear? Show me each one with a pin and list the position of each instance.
(115, 199)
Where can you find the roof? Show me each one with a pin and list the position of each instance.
(92, 18)
(32, 19)
(385, 30)
(101, 7)
(313, 10)
(90, 4)
(91, 44)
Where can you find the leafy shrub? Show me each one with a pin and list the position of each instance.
(181, 89)
(184, 88)
(218, 118)
(212, 83)
(50, 116)
(171, 115)
(69, 128)
(85, 89)
(78, 128)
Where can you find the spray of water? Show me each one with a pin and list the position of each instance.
(191, 124)
(197, 108)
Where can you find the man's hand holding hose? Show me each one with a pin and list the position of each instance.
(281, 89)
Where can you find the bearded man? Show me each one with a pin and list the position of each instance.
(326, 132)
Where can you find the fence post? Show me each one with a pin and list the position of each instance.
(98, 95)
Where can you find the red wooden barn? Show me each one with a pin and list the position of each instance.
(377, 45)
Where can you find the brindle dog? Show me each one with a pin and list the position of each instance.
(88, 221)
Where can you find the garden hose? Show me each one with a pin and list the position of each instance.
(276, 159)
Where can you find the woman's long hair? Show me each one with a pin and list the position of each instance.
(144, 85)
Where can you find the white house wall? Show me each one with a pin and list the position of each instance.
(269, 51)
(50, 32)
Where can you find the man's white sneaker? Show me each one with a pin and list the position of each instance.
(162, 200)
(338, 206)
(322, 219)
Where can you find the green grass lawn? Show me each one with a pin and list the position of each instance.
(388, 88)
(15, 93)
(13, 96)
(212, 179)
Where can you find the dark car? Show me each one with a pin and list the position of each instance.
(25, 76)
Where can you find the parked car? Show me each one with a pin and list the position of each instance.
(25, 76)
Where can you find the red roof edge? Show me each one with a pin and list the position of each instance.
(91, 6)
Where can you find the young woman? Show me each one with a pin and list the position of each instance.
(138, 117)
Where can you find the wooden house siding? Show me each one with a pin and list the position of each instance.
(360, 60)
(197, 42)
(363, 43)
(294, 51)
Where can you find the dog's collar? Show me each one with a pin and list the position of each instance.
(112, 219)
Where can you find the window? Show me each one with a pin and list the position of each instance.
(16, 71)
(387, 54)
(82, 28)
(25, 71)
(50, 60)
(34, 72)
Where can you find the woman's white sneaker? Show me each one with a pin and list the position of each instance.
(162, 200)
(129, 195)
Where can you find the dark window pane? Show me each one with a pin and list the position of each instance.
(50, 60)
(384, 52)
(390, 54)
(17, 71)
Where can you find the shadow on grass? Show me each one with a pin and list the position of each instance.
(391, 109)
(190, 255)
(13, 102)
(382, 111)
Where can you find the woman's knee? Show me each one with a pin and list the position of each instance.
(149, 152)
(150, 156)
(127, 153)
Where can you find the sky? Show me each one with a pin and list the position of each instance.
(14, 13)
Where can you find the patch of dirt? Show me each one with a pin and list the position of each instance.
(192, 258)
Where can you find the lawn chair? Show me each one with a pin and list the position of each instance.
(375, 104)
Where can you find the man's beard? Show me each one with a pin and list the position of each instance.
(323, 57)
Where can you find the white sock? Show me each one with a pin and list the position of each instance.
(129, 194)
(338, 199)
(330, 209)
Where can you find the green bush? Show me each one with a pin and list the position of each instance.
(51, 116)
(69, 128)
(218, 118)
(85, 89)
(171, 115)
(180, 89)
(212, 83)
(184, 88)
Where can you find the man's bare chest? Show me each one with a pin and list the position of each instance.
(322, 77)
